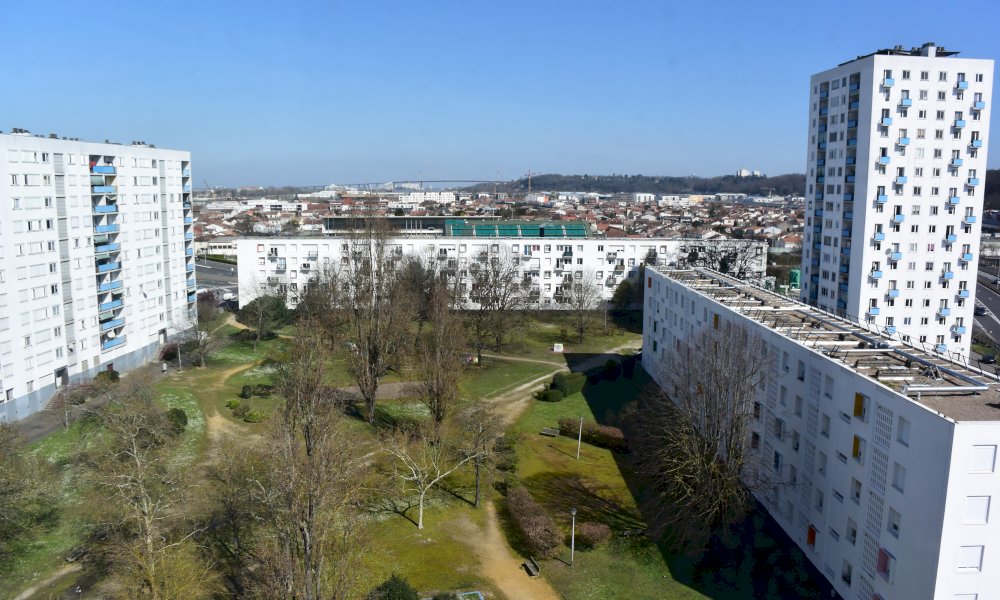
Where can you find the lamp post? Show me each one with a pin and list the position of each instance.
(572, 537)
(579, 439)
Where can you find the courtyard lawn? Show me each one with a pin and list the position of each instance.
(497, 376)
(542, 330)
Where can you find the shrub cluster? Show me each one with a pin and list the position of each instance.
(550, 395)
(178, 420)
(250, 335)
(536, 527)
(169, 351)
(604, 436)
(394, 588)
(233, 404)
(246, 412)
(568, 383)
(107, 377)
(592, 535)
(260, 389)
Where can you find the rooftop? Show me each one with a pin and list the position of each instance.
(929, 49)
(953, 388)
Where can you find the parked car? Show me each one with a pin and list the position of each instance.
(979, 310)
(990, 359)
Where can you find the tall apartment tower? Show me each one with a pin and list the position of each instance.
(894, 192)
(96, 261)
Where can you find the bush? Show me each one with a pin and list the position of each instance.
(445, 596)
(107, 377)
(536, 527)
(260, 389)
(169, 351)
(233, 404)
(250, 335)
(592, 535)
(178, 420)
(603, 436)
(568, 383)
(506, 453)
(394, 588)
(550, 396)
(254, 416)
(241, 410)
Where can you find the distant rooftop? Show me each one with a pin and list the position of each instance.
(929, 49)
(954, 389)
(517, 229)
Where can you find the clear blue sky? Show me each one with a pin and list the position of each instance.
(332, 91)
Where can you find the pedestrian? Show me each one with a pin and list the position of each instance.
(163, 368)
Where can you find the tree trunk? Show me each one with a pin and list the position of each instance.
(420, 511)
(478, 466)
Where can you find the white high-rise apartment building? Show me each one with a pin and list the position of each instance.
(883, 456)
(96, 261)
(894, 192)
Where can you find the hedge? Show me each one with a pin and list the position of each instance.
(568, 383)
(592, 535)
(536, 527)
(260, 389)
(550, 396)
(604, 436)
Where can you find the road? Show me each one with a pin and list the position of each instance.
(989, 324)
(218, 277)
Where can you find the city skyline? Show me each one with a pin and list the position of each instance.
(318, 94)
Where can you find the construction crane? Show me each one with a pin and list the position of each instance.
(529, 180)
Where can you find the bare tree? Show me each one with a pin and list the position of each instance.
(497, 292)
(439, 355)
(582, 298)
(422, 458)
(141, 495)
(27, 493)
(376, 309)
(481, 428)
(304, 542)
(264, 314)
(199, 336)
(743, 259)
(694, 439)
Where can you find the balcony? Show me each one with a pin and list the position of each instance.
(875, 274)
(102, 189)
(841, 305)
(969, 219)
(187, 187)
(852, 142)
(898, 218)
(843, 287)
(189, 269)
(953, 200)
(186, 205)
(941, 348)
(106, 209)
(873, 311)
(186, 172)
(903, 141)
(112, 324)
(976, 143)
(972, 182)
(906, 102)
(845, 251)
(888, 82)
(951, 238)
(819, 195)
(944, 311)
(884, 160)
(845, 233)
(817, 228)
(882, 198)
(900, 179)
(112, 228)
(885, 121)
(192, 297)
(896, 256)
(852, 124)
(849, 215)
(112, 343)
(879, 236)
(978, 105)
(106, 248)
(191, 283)
(854, 87)
(102, 169)
(851, 160)
(109, 305)
(845, 269)
(850, 178)
(824, 94)
(111, 285)
(822, 145)
(189, 236)
(955, 162)
(108, 267)
(958, 329)
(820, 163)
(890, 329)
(821, 179)
(961, 85)
(947, 275)
(849, 197)
(959, 123)
(893, 293)
(189, 251)
(963, 293)
(966, 257)
(822, 128)
(188, 220)
(824, 112)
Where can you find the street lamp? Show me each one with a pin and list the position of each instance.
(572, 537)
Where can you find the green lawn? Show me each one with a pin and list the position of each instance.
(496, 376)
(542, 330)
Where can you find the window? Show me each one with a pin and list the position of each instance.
(977, 510)
(898, 476)
(852, 531)
(885, 565)
(903, 431)
(970, 558)
(892, 523)
(855, 490)
(983, 459)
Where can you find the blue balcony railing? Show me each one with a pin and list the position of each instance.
(108, 266)
(820, 163)
(822, 128)
(819, 195)
(189, 251)
(962, 85)
(903, 141)
(851, 160)
(966, 256)
(853, 123)
(882, 198)
(951, 238)
(896, 256)
(978, 105)
(109, 344)
(906, 102)
(111, 285)
(956, 162)
(898, 218)
(959, 329)
(190, 269)
(187, 187)
(186, 172)
(819, 213)
(822, 145)
(824, 94)
(843, 287)
(947, 275)
(102, 189)
(879, 236)
(959, 123)
(845, 233)
(850, 178)
(112, 324)
(874, 311)
(953, 200)
(963, 293)
(824, 111)
(893, 293)
(852, 142)
(821, 179)
(854, 105)
(849, 215)
(112, 228)
(103, 169)
(106, 248)
(972, 182)
(944, 311)
(105, 209)
(890, 329)
(849, 197)
(191, 282)
(188, 220)
(189, 236)
(885, 121)
(900, 179)
(941, 348)
(884, 160)
(970, 219)
(888, 82)
(192, 297)
(876, 274)
(846, 251)
(976, 143)
(841, 304)
(845, 269)
(109, 305)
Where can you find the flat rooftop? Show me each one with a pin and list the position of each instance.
(955, 389)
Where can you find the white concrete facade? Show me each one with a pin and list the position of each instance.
(885, 455)
(896, 163)
(96, 261)
(288, 264)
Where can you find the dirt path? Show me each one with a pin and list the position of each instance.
(500, 565)
(61, 572)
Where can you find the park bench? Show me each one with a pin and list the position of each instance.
(550, 432)
(531, 566)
